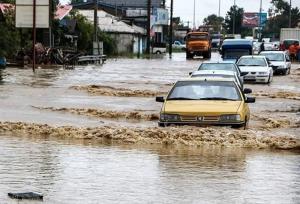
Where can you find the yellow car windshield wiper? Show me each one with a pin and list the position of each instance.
(218, 98)
(181, 98)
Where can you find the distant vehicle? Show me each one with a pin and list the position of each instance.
(198, 43)
(233, 49)
(159, 48)
(233, 36)
(256, 68)
(285, 44)
(249, 38)
(280, 61)
(223, 65)
(266, 40)
(287, 35)
(209, 101)
(218, 74)
(178, 45)
(216, 40)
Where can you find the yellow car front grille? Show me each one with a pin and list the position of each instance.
(210, 118)
(200, 118)
(188, 118)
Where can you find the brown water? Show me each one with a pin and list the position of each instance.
(80, 172)
(141, 168)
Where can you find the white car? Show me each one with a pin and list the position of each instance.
(218, 73)
(256, 68)
(280, 61)
(178, 45)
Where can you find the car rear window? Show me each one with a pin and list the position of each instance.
(217, 66)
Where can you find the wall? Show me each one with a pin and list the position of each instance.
(128, 43)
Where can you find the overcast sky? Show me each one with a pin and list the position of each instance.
(185, 8)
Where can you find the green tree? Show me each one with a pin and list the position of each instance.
(279, 17)
(238, 13)
(9, 35)
(215, 21)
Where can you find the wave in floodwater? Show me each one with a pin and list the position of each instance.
(133, 115)
(187, 136)
(270, 122)
(112, 91)
(281, 94)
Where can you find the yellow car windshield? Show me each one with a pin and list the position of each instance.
(204, 90)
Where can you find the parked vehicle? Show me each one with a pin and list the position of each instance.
(233, 49)
(218, 74)
(288, 36)
(208, 101)
(159, 48)
(178, 45)
(256, 68)
(198, 43)
(280, 61)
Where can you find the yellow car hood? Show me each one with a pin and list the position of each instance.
(201, 107)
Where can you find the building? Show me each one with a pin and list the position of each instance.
(135, 12)
(128, 38)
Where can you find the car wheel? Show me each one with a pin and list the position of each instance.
(158, 52)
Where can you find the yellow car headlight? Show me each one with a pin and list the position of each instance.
(231, 117)
(169, 117)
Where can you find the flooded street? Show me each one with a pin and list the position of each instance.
(76, 172)
(90, 135)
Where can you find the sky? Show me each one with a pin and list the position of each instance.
(185, 8)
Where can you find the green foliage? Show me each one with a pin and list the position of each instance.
(9, 35)
(280, 17)
(215, 21)
(109, 44)
(238, 13)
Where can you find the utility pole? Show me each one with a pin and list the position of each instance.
(234, 12)
(34, 35)
(171, 31)
(148, 26)
(95, 20)
(290, 14)
(194, 16)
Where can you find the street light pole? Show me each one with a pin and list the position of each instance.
(233, 26)
(260, 24)
(219, 8)
(290, 14)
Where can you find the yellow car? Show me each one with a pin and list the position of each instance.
(209, 101)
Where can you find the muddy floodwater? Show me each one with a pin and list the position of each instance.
(90, 135)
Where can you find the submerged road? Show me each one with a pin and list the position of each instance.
(72, 170)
